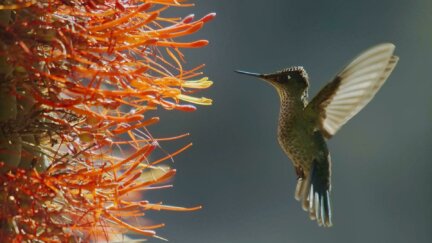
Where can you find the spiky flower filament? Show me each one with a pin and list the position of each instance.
(78, 79)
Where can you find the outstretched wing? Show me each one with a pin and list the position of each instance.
(352, 88)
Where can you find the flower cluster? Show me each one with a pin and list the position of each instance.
(77, 79)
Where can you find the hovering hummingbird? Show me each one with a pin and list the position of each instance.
(304, 126)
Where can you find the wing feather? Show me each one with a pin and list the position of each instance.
(352, 88)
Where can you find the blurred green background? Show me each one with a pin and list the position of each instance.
(382, 166)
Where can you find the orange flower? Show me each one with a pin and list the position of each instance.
(78, 78)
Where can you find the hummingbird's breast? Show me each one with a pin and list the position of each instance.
(296, 133)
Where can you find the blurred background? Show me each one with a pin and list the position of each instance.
(382, 166)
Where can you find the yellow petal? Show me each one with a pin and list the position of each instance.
(195, 100)
(203, 83)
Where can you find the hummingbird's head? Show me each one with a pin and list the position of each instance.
(293, 78)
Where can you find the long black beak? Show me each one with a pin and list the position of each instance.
(250, 74)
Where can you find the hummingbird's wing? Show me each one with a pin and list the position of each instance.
(352, 88)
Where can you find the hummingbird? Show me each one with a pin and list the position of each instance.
(304, 126)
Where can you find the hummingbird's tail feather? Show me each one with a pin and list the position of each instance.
(300, 182)
(314, 194)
